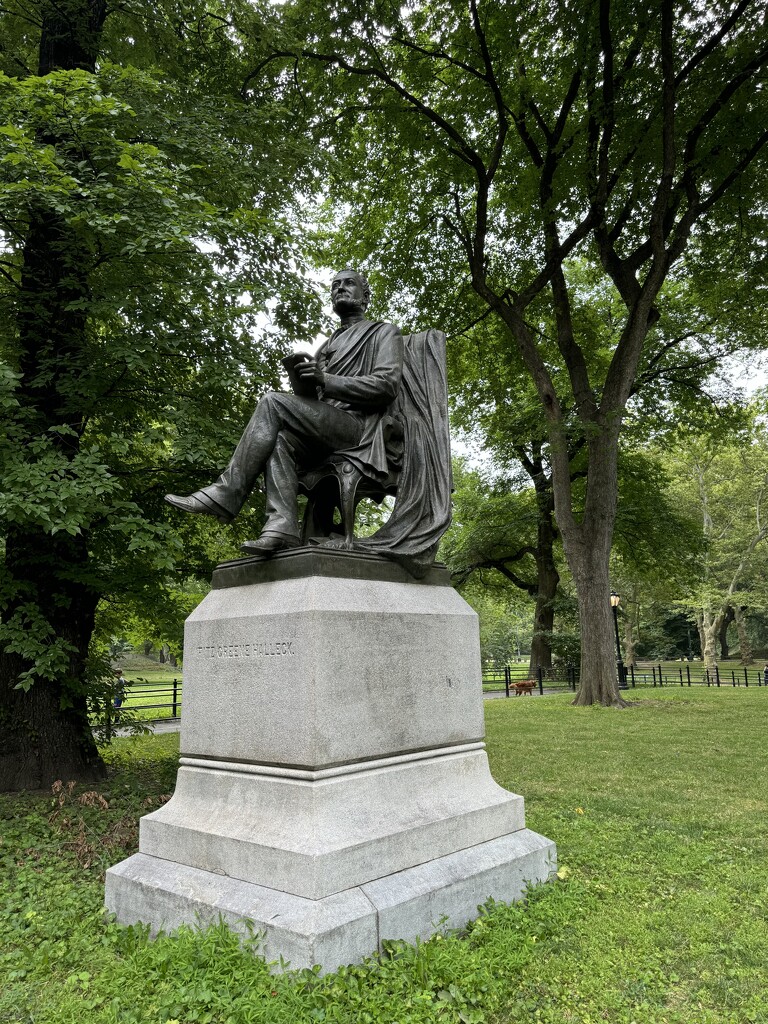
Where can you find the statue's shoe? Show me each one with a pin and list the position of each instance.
(269, 543)
(190, 503)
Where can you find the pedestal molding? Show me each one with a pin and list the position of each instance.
(344, 927)
(308, 561)
(350, 768)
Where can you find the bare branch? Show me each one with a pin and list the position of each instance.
(668, 98)
(501, 109)
(606, 45)
(462, 147)
(555, 258)
(713, 42)
(747, 158)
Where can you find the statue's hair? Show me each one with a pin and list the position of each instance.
(363, 284)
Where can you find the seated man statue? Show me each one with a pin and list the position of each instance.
(355, 378)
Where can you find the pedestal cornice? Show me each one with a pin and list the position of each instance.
(319, 561)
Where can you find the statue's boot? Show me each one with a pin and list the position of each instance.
(201, 504)
(270, 543)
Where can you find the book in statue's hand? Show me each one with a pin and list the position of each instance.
(305, 387)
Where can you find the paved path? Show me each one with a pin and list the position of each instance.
(158, 725)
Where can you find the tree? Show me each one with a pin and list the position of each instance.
(493, 400)
(657, 543)
(137, 206)
(502, 528)
(724, 472)
(504, 622)
(492, 144)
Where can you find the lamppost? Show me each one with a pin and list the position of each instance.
(622, 672)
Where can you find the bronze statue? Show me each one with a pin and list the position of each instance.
(353, 398)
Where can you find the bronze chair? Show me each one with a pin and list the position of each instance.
(338, 485)
(418, 454)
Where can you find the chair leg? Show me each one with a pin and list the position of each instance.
(309, 527)
(322, 502)
(349, 478)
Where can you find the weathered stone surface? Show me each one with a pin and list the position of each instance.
(323, 670)
(334, 787)
(339, 929)
(414, 903)
(343, 928)
(314, 838)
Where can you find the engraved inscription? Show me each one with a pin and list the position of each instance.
(260, 649)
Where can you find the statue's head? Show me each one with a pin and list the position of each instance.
(350, 292)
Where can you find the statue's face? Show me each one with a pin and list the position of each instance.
(347, 293)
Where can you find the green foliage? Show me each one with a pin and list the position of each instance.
(505, 622)
(658, 915)
(165, 205)
(105, 719)
(658, 533)
(534, 174)
(722, 474)
(494, 521)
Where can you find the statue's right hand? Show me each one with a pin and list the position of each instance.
(309, 369)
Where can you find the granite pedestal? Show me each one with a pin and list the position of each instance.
(334, 787)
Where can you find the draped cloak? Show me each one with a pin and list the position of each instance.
(399, 389)
(363, 367)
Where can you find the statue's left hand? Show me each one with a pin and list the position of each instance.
(310, 370)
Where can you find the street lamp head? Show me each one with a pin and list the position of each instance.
(615, 599)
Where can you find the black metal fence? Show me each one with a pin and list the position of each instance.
(514, 680)
(162, 700)
(132, 705)
(149, 701)
(694, 674)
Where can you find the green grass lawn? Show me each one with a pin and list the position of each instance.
(135, 664)
(659, 917)
(143, 674)
(153, 677)
(148, 698)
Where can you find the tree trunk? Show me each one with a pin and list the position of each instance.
(587, 534)
(44, 730)
(630, 641)
(722, 635)
(44, 734)
(547, 577)
(543, 624)
(700, 630)
(708, 631)
(70, 36)
(599, 676)
(587, 546)
(747, 656)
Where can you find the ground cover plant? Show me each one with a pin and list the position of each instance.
(659, 916)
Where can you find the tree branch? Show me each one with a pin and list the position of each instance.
(656, 232)
(713, 42)
(501, 109)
